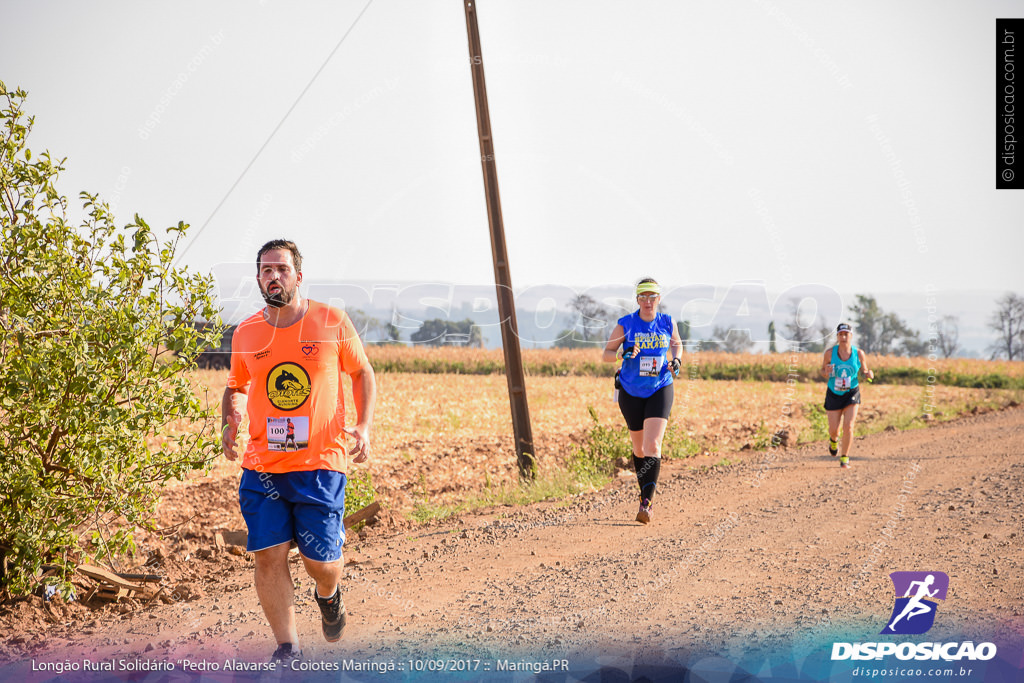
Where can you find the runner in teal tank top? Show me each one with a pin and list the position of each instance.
(651, 351)
(842, 365)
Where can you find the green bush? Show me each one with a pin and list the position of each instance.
(594, 460)
(763, 437)
(818, 418)
(359, 491)
(677, 444)
(97, 331)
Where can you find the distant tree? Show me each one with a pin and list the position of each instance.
(947, 335)
(684, 330)
(590, 323)
(568, 340)
(591, 318)
(867, 319)
(1008, 323)
(366, 325)
(710, 345)
(820, 341)
(912, 345)
(732, 341)
(771, 338)
(392, 332)
(879, 332)
(431, 333)
(798, 334)
(440, 332)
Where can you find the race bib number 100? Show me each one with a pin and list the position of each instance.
(287, 433)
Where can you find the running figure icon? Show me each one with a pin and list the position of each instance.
(918, 594)
(915, 605)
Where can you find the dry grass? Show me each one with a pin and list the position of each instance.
(438, 436)
(717, 364)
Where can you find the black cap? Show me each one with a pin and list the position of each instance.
(843, 327)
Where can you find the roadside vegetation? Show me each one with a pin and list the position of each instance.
(717, 365)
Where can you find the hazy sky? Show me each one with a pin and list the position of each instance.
(850, 144)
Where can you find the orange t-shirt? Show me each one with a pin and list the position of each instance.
(296, 403)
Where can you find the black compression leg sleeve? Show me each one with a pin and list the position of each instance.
(647, 471)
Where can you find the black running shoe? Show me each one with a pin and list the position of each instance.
(285, 653)
(332, 611)
(833, 447)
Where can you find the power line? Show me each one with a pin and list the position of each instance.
(288, 113)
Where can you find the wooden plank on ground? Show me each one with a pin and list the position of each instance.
(100, 574)
(149, 578)
(366, 513)
(112, 594)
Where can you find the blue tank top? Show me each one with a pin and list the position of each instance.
(844, 372)
(649, 370)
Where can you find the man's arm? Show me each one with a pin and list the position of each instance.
(232, 407)
(364, 391)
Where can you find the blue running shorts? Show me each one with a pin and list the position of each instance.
(305, 507)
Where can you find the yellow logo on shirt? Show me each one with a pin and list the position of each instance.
(651, 340)
(288, 386)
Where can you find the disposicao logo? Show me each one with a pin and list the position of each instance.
(913, 613)
(916, 595)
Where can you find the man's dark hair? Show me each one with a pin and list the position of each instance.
(280, 244)
(646, 280)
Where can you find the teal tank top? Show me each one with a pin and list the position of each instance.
(844, 372)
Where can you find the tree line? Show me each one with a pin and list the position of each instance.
(589, 324)
(877, 331)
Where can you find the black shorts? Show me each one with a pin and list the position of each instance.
(835, 401)
(636, 410)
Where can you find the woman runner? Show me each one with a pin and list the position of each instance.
(651, 349)
(841, 365)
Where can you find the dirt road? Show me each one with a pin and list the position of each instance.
(769, 560)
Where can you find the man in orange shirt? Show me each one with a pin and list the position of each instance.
(286, 366)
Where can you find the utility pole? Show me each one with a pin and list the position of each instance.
(523, 434)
